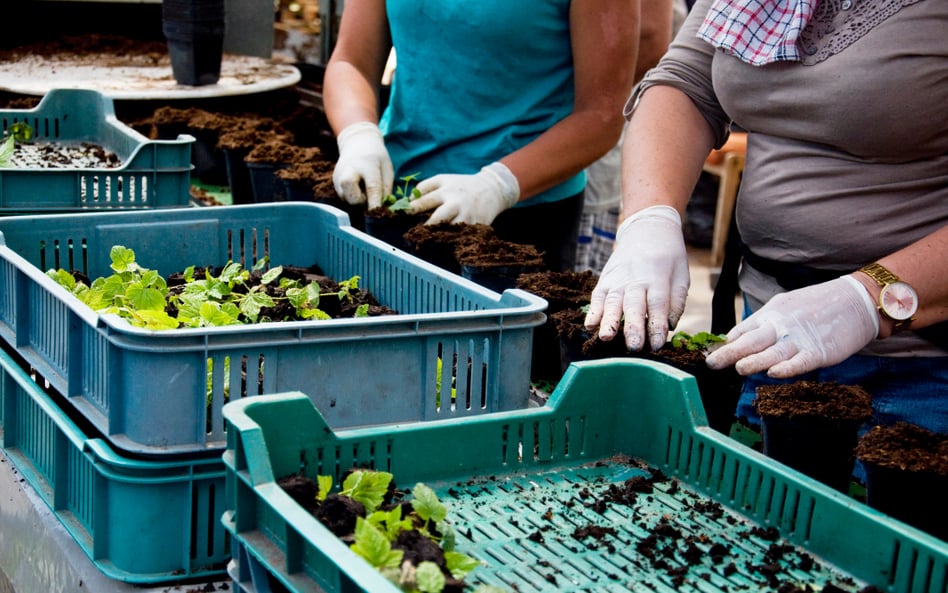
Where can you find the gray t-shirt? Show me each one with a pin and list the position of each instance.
(847, 150)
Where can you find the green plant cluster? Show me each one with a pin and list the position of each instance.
(375, 533)
(141, 295)
(403, 195)
(17, 132)
(698, 341)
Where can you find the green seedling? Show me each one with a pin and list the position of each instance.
(17, 132)
(698, 341)
(141, 295)
(378, 530)
(403, 195)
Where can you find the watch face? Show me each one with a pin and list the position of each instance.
(899, 301)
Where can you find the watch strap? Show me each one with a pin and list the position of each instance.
(879, 273)
(883, 277)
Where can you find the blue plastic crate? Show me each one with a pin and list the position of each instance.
(137, 521)
(507, 478)
(159, 392)
(153, 173)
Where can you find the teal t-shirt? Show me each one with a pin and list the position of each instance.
(474, 82)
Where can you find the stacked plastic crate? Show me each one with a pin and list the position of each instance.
(123, 433)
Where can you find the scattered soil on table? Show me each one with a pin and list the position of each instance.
(200, 195)
(96, 49)
(60, 155)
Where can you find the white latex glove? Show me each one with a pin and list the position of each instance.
(646, 277)
(472, 199)
(801, 330)
(364, 170)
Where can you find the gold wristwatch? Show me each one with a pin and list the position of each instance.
(898, 301)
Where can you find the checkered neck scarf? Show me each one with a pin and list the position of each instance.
(757, 31)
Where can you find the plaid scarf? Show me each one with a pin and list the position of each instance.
(757, 31)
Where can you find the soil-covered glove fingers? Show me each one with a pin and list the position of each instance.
(802, 330)
(681, 282)
(647, 278)
(635, 308)
(363, 172)
(471, 199)
(597, 306)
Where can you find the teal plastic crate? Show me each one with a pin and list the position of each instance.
(137, 521)
(501, 475)
(160, 392)
(153, 173)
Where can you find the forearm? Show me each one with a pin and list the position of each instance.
(921, 265)
(348, 96)
(353, 74)
(666, 143)
(604, 38)
(563, 151)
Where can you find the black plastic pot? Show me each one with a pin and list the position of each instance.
(392, 229)
(209, 163)
(915, 497)
(238, 175)
(497, 277)
(297, 190)
(820, 447)
(196, 62)
(194, 30)
(267, 187)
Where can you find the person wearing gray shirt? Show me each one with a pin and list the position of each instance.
(843, 204)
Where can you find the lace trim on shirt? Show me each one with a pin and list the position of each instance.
(837, 24)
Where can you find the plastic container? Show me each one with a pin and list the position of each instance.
(159, 392)
(508, 479)
(267, 187)
(138, 521)
(153, 174)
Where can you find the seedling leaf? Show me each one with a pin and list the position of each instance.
(371, 544)
(123, 259)
(460, 564)
(144, 298)
(367, 487)
(429, 578)
(325, 486)
(6, 151)
(427, 505)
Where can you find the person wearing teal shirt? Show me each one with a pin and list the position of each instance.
(497, 106)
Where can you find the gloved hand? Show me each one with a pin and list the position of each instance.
(364, 170)
(472, 199)
(646, 276)
(801, 330)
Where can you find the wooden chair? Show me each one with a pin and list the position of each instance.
(727, 164)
